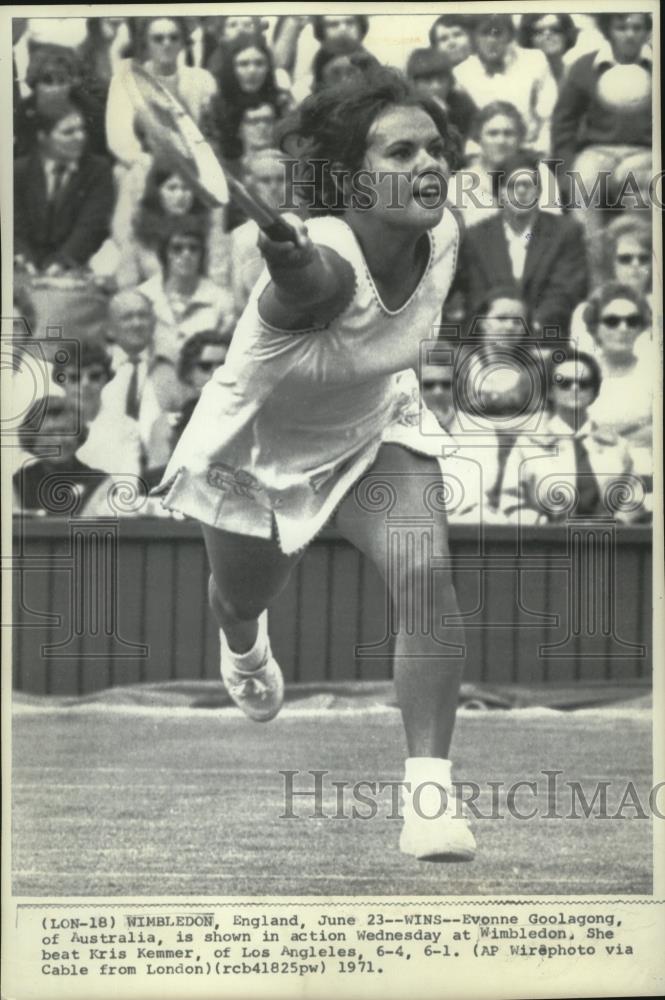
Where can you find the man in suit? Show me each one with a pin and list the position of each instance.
(63, 196)
(543, 254)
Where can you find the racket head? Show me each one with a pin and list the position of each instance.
(175, 137)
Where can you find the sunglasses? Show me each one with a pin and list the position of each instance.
(568, 383)
(160, 39)
(632, 322)
(179, 248)
(633, 258)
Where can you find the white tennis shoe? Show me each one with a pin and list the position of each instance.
(259, 692)
(442, 838)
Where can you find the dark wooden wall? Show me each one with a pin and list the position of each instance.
(124, 601)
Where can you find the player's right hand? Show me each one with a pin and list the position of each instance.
(287, 254)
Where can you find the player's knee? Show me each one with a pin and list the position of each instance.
(229, 609)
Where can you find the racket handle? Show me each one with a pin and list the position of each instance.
(279, 231)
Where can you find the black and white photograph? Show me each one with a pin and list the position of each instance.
(332, 556)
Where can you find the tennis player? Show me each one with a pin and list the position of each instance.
(318, 391)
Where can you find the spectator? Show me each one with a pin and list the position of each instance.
(569, 467)
(184, 300)
(84, 376)
(500, 71)
(201, 356)
(219, 32)
(594, 132)
(55, 76)
(143, 389)
(53, 480)
(498, 131)
(554, 34)
(624, 256)
(160, 41)
(432, 75)
(541, 252)
(330, 69)
(167, 196)
(451, 34)
(247, 82)
(616, 316)
(63, 196)
(335, 33)
(264, 176)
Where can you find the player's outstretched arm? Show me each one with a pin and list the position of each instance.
(310, 284)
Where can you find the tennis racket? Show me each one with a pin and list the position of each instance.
(176, 139)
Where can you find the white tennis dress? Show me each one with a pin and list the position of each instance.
(292, 420)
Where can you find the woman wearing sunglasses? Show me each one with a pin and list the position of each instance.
(569, 466)
(554, 34)
(316, 414)
(160, 42)
(625, 255)
(185, 300)
(617, 316)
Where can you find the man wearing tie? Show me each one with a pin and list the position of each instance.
(131, 427)
(63, 196)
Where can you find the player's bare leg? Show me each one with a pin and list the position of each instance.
(427, 674)
(247, 574)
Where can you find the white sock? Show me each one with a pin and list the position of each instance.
(254, 657)
(428, 775)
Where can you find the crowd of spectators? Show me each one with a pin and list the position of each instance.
(548, 324)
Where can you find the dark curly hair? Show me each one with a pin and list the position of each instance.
(319, 27)
(604, 21)
(332, 125)
(151, 222)
(607, 293)
(570, 353)
(528, 22)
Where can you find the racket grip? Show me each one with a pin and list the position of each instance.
(280, 231)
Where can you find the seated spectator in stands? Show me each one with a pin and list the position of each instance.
(501, 71)
(569, 467)
(63, 196)
(616, 316)
(143, 388)
(265, 176)
(184, 300)
(220, 31)
(451, 34)
(624, 256)
(542, 253)
(133, 256)
(432, 75)
(55, 76)
(554, 34)
(247, 82)
(53, 480)
(594, 129)
(160, 41)
(330, 69)
(335, 33)
(84, 376)
(201, 356)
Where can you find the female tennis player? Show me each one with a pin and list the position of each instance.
(318, 392)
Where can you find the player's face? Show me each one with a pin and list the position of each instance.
(628, 33)
(251, 70)
(632, 264)
(499, 139)
(406, 158)
(454, 41)
(175, 197)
